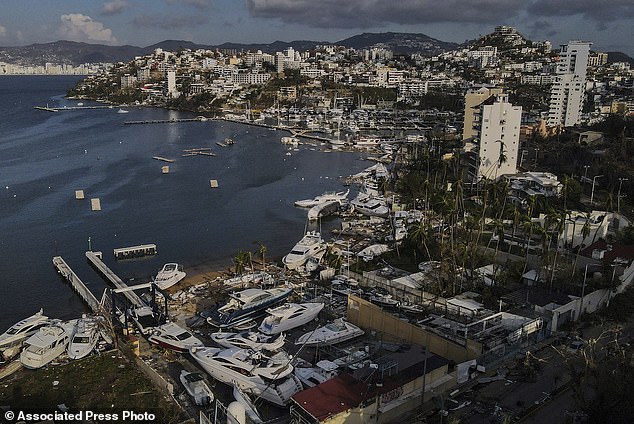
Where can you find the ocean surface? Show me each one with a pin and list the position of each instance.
(45, 157)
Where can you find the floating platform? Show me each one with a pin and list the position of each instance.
(161, 158)
(79, 194)
(135, 251)
(76, 283)
(95, 204)
(165, 169)
(213, 183)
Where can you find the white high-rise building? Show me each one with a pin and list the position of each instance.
(567, 93)
(494, 149)
(171, 84)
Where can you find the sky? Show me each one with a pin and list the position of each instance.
(608, 24)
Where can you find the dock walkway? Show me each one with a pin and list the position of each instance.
(103, 269)
(76, 283)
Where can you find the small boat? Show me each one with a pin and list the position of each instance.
(341, 196)
(122, 111)
(249, 340)
(195, 386)
(312, 376)
(47, 344)
(335, 332)
(245, 305)
(321, 210)
(168, 276)
(370, 206)
(246, 404)
(172, 336)
(85, 338)
(311, 245)
(145, 319)
(289, 316)
(411, 308)
(371, 252)
(12, 339)
(385, 300)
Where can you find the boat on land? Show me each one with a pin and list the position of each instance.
(335, 332)
(311, 245)
(371, 252)
(170, 274)
(145, 319)
(329, 196)
(323, 371)
(370, 206)
(172, 336)
(47, 344)
(195, 386)
(249, 340)
(245, 305)
(289, 316)
(11, 340)
(267, 376)
(85, 338)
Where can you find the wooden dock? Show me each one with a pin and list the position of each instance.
(161, 158)
(113, 279)
(76, 283)
(135, 251)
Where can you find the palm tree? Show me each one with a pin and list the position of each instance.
(420, 233)
(262, 253)
(241, 260)
(585, 232)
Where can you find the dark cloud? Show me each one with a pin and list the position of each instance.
(596, 10)
(161, 21)
(541, 28)
(372, 13)
(201, 4)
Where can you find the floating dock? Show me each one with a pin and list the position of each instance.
(79, 194)
(161, 158)
(76, 283)
(102, 268)
(213, 183)
(95, 204)
(135, 251)
(165, 169)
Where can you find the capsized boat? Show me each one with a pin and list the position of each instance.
(85, 337)
(245, 305)
(289, 316)
(12, 339)
(195, 386)
(267, 376)
(323, 209)
(249, 340)
(174, 337)
(328, 196)
(311, 245)
(168, 276)
(47, 344)
(335, 332)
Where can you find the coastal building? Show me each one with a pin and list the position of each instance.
(567, 93)
(171, 84)
(127, 81)
(529, 184)
(473, 98)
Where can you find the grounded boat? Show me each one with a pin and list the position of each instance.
(85, 338)
(269, 377)
(168, 276)
(46, 345)
(195, 386)
(370, 252)
(322, 371)
(289, 316)
(370, 206)
(145, 319)
(12, 339)
(323, 209)
(172, 336)
(385, 300)
(249, 340)
(245, 305)
(340, 196)
(246, 406)
(335, 332)
(311, 245)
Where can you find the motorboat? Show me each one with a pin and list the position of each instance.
(145, 319)
(122, 111)
(12, 339)
(370, 252)
(174, 337)
(335, 332)
(249, 340)
(370, 206)
(241, 408)
(245, 305)
(168, 276)
(47, 344)
(323, 209)
(411, 308)
(328, 196)
(267, 376)
(85, 338)
(351, 359)
(195, 386)
(385, 300)
(323, 371)
(257, 278)
(289, 316)
(311, 245)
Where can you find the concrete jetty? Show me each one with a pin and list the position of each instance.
(76, 283)
(135, 251)
(95, 260)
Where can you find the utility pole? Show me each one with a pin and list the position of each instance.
(583, 289)
(594, 180)
(585, 174)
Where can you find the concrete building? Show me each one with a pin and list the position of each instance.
(171, 84)
(567, 93)
(473, 98)
(493, 152)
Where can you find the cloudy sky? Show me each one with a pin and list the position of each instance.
(607, 23)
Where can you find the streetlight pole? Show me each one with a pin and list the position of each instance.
(585, 174)
(618, 197)
(594, 180)
(583, 289)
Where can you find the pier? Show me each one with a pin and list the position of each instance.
(95, 260)
(58, 109)
(135, 251)
(161, 158)
(76, 283)
(165, 121)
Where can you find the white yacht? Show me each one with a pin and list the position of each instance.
(172, 336)
(340, 196)
(370, 206)
(46, 345)
(335, 332)
(249, 340)
(323, 209)
(168, 276)
(195, 386)
(245, 305)
(322, 371)
(311, 245)
(371, 252)
(289, 316)
(269, 377)
(85, 338)
(12, 339)
(122, 111)
(144, 318)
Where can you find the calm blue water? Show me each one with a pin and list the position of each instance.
(45, 157)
